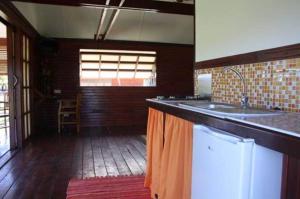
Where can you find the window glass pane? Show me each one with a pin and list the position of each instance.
(90, 65)
(89, 74)
(126, 74)
(29, 123)
(129, 58)
(24, 101)
(143, 75)
(104, 82)
(109, 58)
(90, 57)
(25, 127)
(28, 99)
(127, 66)
(109, 66)
(133, 68)
(27, 75)
(27, 50)
(147, 59)
(108, 74)
(145, 67)
(24, 74)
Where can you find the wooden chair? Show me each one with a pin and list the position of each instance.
(69, 113)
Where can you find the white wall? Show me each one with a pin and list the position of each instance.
(231, 27)
(2, 30)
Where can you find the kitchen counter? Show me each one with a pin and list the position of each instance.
(286, 123)
(279, 132)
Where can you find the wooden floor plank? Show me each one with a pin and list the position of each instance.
(45, 166)
(140, 146)
(77, 167)
(132, 164)
(100, 169)
(110, 164)
(135, 153)
(20, 181)
(116, 154)
(18, 165)
(88, 159)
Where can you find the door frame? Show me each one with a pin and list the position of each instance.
(15, 130)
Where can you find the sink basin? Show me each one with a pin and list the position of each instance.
(226, 109)
(215, 106)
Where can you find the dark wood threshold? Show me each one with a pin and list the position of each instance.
(280, 53)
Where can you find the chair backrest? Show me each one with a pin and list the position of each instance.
(70, 104)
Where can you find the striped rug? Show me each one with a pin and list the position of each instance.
(121, 187)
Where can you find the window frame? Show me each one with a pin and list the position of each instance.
(119, 62)
(26, 85)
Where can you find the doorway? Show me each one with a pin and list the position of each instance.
(4, 93)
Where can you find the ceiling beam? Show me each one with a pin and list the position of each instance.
(159, 6)
(101, 21)
(112, 20)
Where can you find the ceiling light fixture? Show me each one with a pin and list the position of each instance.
(116, 7)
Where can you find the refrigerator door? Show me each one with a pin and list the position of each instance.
(221, 165)
(266, 174)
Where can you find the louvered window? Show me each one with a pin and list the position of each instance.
(117, 68)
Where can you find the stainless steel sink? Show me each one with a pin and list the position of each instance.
(226, 109)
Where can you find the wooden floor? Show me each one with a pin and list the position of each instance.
(42, 170)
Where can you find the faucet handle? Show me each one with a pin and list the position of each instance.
(245, 101)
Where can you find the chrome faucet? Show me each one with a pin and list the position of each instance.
(244, 98)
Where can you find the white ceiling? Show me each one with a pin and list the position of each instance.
(82, 22)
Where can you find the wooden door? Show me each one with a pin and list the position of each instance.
(26, 86)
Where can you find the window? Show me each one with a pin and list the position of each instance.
(26, 86)
(117, 68)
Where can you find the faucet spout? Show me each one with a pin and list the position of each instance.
(244, 98)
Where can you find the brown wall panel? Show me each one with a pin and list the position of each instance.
(117, 106)
(293, 179)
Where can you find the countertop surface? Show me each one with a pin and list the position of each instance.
(285, 123)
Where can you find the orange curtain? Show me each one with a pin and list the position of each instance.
(176, 162)
(154, 149)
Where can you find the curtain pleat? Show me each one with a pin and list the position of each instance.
(169, 156)
(176, 162)
(154, 149)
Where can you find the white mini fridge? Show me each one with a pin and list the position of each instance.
(226, 166)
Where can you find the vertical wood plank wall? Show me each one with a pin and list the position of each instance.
(117, 106)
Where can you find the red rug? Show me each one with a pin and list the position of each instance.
(121, 187)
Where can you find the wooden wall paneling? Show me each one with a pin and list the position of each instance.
(293, 178)
(117, 106)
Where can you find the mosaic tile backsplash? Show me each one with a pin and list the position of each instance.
(274, 84)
